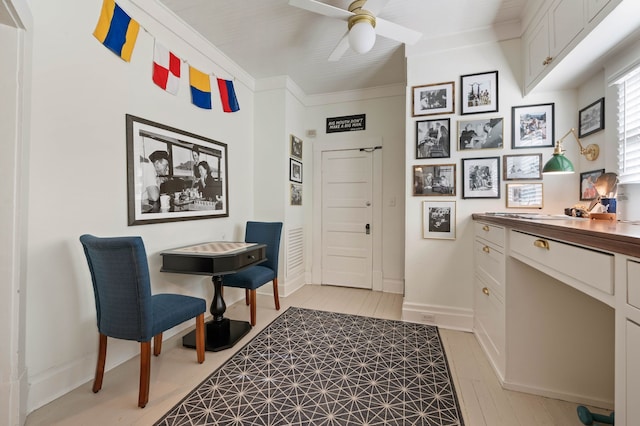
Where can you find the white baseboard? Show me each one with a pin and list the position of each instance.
(393, 286)
(575, 398)
(441, 316)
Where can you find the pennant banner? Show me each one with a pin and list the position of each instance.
(116, 30)
(228, 96)
(166, 69)
(200, 88)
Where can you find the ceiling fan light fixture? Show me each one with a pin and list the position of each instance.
(362, 37)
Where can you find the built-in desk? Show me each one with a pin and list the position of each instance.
(557, 304)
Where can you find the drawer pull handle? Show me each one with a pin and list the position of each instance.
(485, 290)
(541, 244)
(547, 60)
(485, 249)
(252, 257)
(485, 228)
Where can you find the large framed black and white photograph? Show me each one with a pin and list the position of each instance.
(485, 133)
(174, 175)
(591, 118)
(522, 167)
(439, 220)
(532, 126)
(295, 170)
(524, 195)
(434, 180)
(481, 177)
(433, 138)
(432, 99)
(479, 93)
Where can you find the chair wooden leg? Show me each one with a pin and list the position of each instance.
(102, 356)
(252, 298)
(276, 297)
(200, 337)
(157, 344)
(247, 298)
(145, 373)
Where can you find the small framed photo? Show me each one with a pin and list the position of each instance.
(479, 92)
(433, 99)
(522, 167)
(481, 177)
(591, 118)
(296, 147)
(524, 195)
(434, 179)
(439, 220)
(532, 126)
(295, 170)
(588, 189)
(486, 133)
(296, 194)
(432, 138)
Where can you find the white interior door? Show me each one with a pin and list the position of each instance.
(347, 218)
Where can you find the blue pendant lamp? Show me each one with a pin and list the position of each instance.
(559, 164)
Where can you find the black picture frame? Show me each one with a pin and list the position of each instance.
(433, 138)
(591, 118)
(432, 99)
(183, 194)
(479, 93)
(481, 177)
(588, 189)
(295, 170)
(434, 180)
(533, 126)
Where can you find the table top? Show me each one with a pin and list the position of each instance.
(215, 247)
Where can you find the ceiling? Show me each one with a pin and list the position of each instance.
(269, 38)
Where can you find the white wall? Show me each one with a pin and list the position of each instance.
(438, 273)
(78, 184)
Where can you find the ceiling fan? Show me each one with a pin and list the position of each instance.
(363, 25)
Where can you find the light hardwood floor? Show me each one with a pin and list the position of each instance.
(175, 372)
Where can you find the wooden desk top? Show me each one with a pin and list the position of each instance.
(608, 235)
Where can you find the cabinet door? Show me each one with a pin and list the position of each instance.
(633, 372)
(537, 50)
(566, 20)
(594, 7)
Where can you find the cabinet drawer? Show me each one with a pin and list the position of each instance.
(493, 234)
(633, 283)
(632, 387)
(490, 264)
(590, 267)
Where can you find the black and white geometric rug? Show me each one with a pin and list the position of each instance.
(313, 367)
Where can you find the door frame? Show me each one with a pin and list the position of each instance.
(348, 142)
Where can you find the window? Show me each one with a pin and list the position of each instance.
(628, 117)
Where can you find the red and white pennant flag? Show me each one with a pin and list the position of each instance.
(166, 69)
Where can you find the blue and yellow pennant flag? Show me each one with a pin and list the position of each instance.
(200, 88)
(116, 30)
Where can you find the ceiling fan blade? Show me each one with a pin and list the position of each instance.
(340, 49)
(375, 6)
(322, 8)
(397, 32)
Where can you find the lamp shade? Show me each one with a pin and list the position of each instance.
(362, 36)
(558, 164)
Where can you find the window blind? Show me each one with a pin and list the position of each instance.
(628, 117)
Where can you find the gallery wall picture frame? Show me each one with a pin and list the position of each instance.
(432, 99)
(439, 220)
(296, 147)
(484, 133)
(172, 161)
(434, 180)
(522, 166)
(479, 93)
(525, 195)
(295, 170)
(295, 194)
(532, 126)
(591, 118)
(481, 177)
(433, 138)
(588, 189)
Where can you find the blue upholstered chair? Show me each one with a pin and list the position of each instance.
(256, 276)
(125, 307)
